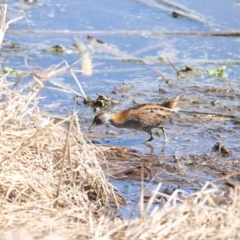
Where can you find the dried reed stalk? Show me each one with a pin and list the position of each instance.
(3, 25)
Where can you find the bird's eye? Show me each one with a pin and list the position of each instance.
(98, 121)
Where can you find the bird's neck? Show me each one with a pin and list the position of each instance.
(117, 119)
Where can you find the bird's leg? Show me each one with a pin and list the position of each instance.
(164, 134)
(151, 137)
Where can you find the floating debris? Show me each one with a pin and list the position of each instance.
(100, 46)
(162, 91)
(80, 45)
(10, 44)
(187, 72)
(57, 49)
(137, 173)
(221, 149)
(123, 89)
(101, 102)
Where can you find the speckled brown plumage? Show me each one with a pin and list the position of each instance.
(142, 117)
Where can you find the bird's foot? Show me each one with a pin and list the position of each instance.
(148, 143)
(166, 139)
(164, 134)
(149, 140)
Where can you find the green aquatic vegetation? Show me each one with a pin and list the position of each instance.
(145, 60)
(57, 49)
(12, 71)
(219, 72)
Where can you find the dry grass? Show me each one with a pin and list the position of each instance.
(207, 214)
(49, 175)
(39, 157)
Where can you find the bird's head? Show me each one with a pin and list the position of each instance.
(99, 119)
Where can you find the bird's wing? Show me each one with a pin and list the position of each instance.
(153, 109)
(154, 114)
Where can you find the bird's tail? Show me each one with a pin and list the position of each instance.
(172, 102)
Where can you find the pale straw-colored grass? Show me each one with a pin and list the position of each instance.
(45, 166)
(207, 214)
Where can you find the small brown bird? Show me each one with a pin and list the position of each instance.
(142, 117)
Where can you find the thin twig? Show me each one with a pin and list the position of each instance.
(232, 33)
(77, 82)
(141, 201)
(166, 79)
(172, 64)
(213, 114)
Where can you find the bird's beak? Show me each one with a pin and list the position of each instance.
(92, 126)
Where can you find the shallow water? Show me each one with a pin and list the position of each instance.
(190, 136)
